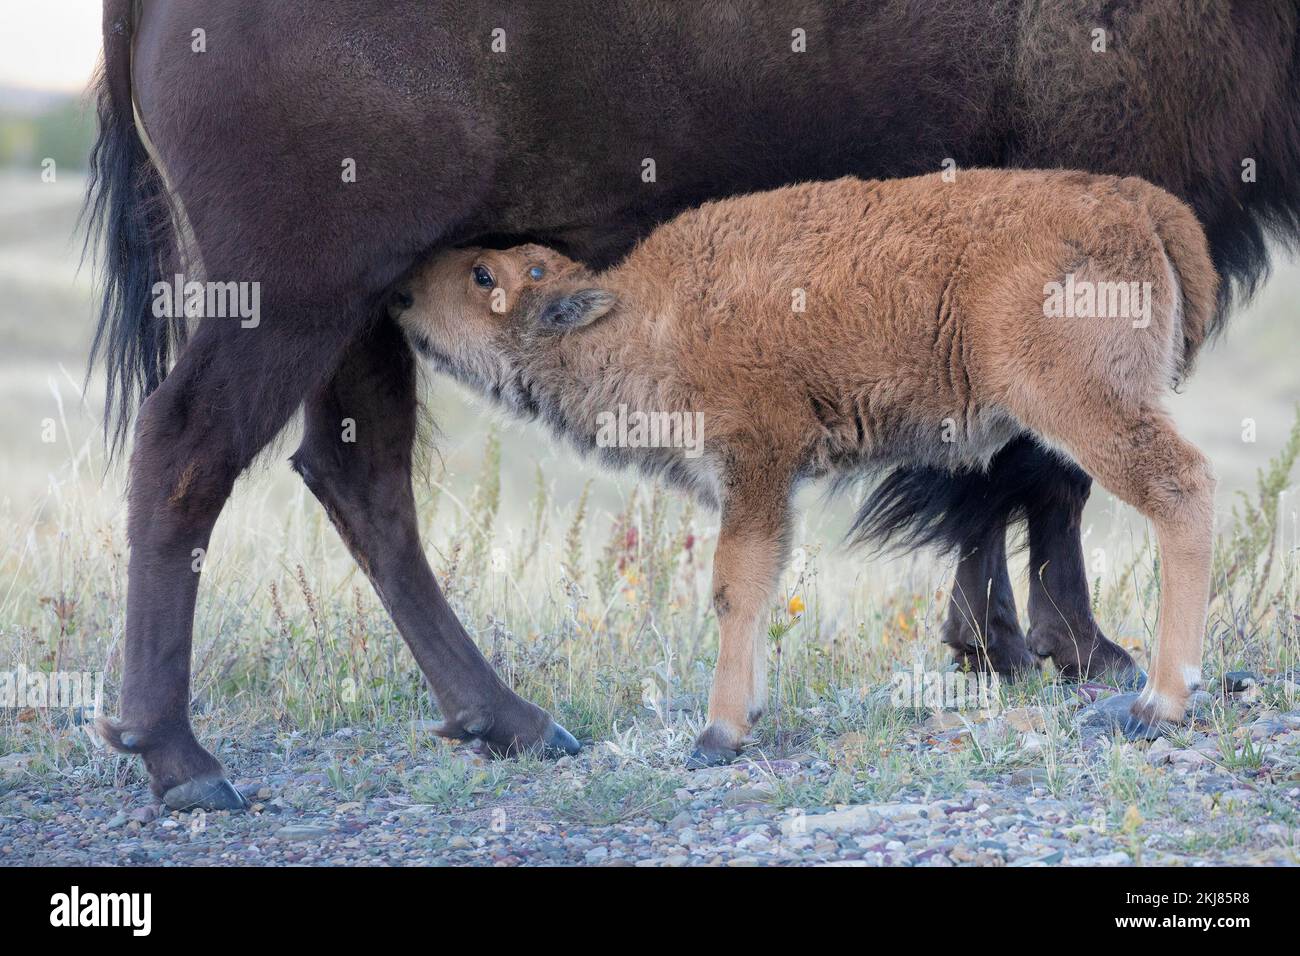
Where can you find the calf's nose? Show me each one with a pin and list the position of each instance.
(400, 301)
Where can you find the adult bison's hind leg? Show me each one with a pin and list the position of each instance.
(981, 628)
(231, 392)
(966, 512)
(355, 456)
(1061, 623)
(1025, 480)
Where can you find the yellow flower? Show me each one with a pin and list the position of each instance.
(796, 606)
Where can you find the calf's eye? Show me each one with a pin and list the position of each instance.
(536, 272)
(483, 278)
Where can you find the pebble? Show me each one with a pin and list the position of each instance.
(852, 818)
(1234, 682)
(680, 821)
(1118, 858)
(1026, 719)
(741, 795)
(1029, 776)
(1188, 759)
(301, 832)
(733, 816)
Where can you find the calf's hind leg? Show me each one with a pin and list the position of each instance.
(751, 551)
(1139, 455)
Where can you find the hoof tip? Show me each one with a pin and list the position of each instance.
(1116, 713)
(702, 758)
(206, 793)
(560, 741)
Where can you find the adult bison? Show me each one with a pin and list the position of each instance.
(320, 147)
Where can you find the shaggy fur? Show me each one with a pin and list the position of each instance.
(828, 327)
(457, 140)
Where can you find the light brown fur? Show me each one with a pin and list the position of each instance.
(923, 339)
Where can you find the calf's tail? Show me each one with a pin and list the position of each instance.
(1188, 252)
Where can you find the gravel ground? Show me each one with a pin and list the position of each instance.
(361, 797)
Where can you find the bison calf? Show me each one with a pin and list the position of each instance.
(832, 327)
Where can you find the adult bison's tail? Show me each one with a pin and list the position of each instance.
(131, 226)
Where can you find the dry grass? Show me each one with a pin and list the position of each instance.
(600, 616)
(588, 594)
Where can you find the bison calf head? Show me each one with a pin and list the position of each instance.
(483, 314)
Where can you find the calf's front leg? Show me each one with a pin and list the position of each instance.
(751, 552)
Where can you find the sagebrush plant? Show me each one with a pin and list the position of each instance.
(602, 615)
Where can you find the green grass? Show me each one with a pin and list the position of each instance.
(615, 796)
(456, 783)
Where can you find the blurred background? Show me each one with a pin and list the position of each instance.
(47, 54)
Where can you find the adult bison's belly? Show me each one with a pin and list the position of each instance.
(318, 158)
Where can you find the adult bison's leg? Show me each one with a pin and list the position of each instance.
(968, 513)
(1024, 480)
(1061, 625)
(230, 392)
(364, 483)
(981, 627)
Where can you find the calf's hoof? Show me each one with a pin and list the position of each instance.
(181, 773)
(206, 793)
(716, 746)
(1128, 715)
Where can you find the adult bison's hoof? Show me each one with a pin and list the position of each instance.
(1092, 659)
(1123, 713)
(714, 748)
(495, 736)
(559, 742)
(207, 793)
(1002, 650)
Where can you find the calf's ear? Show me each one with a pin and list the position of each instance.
(573, 310)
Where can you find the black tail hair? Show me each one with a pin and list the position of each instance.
(1240, 226)
(919, 507)
(129, 218)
